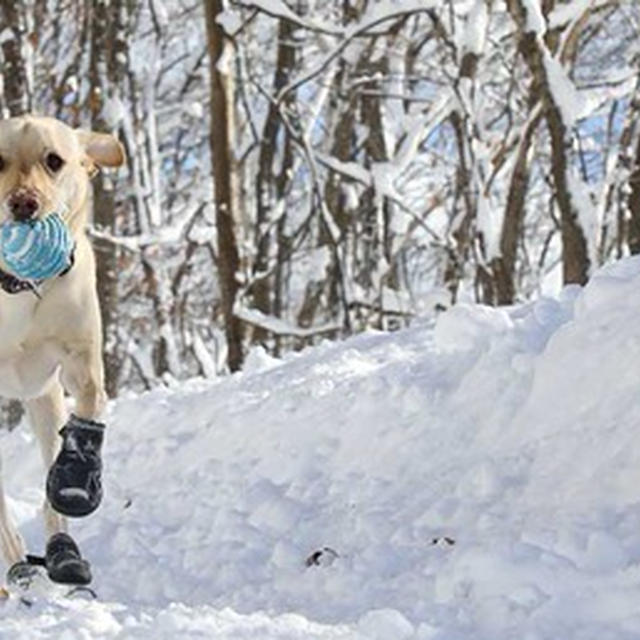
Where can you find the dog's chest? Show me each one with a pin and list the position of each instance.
(26, 362)
(16, 319)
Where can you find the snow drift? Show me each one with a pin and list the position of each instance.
(479, 479)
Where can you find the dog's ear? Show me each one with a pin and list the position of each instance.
(104, 149)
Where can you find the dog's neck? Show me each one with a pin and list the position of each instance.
(12, 284)
(77, 215)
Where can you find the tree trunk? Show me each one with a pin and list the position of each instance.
(575, 254)
(503, 266)
(267, 192)
(468, 184)
(224, 176)
(108, 53)
(17, 94)
(634, 202)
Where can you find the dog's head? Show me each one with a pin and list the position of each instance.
(45, 166)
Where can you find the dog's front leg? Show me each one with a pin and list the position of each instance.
(83, 378)
(47, 415)
(74, 482)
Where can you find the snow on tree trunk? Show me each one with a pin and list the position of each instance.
(560, 107)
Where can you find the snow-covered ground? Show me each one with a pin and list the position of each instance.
(477, 480)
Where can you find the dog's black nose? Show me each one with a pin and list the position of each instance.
(23, 206)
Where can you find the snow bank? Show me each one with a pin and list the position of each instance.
(479, 479)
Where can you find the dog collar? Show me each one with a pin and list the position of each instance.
(12, 284)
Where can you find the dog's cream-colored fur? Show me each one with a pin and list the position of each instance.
(55, 342)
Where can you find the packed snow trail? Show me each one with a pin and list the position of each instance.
(479, 480)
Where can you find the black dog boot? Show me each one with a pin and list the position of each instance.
(74, 486)
(64, 563)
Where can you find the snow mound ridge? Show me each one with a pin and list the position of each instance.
(479, 479)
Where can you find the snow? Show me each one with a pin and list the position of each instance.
(564, 14)
(351, 169)
(161, 13)
(224, 64)
(374, 15)
(277, 326)
(535, 21)
(417, 128)
(113, 112)
(230, 21)
(194, 110)
(206, 360)
(6, 35)
(588, 213)
(565, 96)
(490, 225)
(476, 478)
(476, 27)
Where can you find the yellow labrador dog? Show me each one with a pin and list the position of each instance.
(50, 333)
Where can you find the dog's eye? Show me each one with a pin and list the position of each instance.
(2, 163)
(54, 162)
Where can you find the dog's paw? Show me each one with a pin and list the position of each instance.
(74, 483)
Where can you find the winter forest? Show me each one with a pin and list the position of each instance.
(303, 170)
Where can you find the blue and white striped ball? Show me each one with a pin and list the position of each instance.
(36, 249)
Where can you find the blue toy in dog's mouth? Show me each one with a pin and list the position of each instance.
(36, 249)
